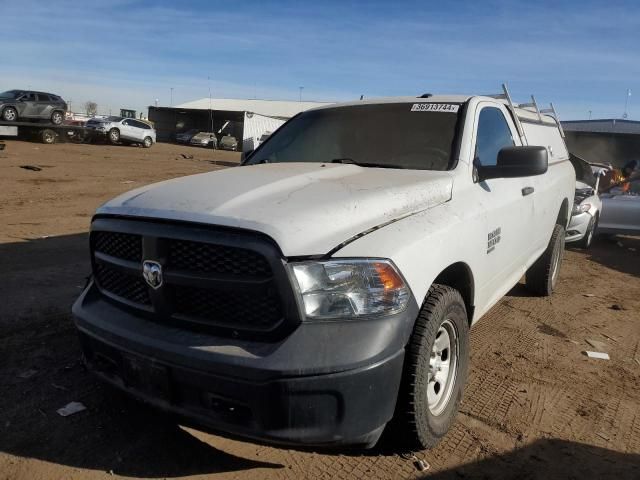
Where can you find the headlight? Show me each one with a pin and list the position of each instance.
(350, 288)
(583, 207)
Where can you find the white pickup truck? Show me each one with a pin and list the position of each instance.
(324, 290)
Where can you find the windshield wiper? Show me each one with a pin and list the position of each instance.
(350, 161)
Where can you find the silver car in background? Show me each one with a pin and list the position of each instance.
(621, 208)
(27, 105)
(123, 130)
(185, 137)
(204, 139)
(587, 205)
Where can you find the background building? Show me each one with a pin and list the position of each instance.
(246, 120)
(611, 141)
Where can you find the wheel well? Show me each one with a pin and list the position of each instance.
(563, 214)
(459, 276)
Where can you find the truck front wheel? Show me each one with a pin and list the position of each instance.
(435, 370)
(542, 276)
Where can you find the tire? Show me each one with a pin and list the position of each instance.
(114, 136)
(542, 276)
(586, 241)
(147, 142)
(9, 114)
(427, 404)
(57, 118)
(48, 136)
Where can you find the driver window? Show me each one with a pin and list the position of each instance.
(493, 135)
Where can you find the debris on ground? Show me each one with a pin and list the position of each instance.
(597, 344)
(631, 249)
(620, 244)
(70, 409)
(615, 306)
(187, 156)
(421, 465)
(610, 338)
(588, 295)
(27, 373)
(600, 355)
(603, 436)
(127, 182)
(34, 168)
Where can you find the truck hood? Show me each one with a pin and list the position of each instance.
(307, 208)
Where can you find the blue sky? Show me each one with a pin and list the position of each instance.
(581, 55)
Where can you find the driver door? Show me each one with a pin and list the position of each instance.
(27, 105)
(506, 210)
(126, 130)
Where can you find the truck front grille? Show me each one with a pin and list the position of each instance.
(208, 258)
(119, 245)
(122, 285)
(231, 282)
(255, 311)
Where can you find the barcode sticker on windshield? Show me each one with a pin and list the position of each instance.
(435, 107)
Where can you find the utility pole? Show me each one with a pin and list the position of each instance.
(171, 102)
(626, 103)
(300, 88)
(210, 109)
(589, 114)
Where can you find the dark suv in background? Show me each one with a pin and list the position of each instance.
(24, 104)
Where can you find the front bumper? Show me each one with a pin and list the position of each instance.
(577, 227)
(327, 383)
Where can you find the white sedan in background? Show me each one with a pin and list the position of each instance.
(587, 205)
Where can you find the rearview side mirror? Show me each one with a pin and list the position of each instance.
(516, 162)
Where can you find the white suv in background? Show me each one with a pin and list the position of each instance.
(124, 130)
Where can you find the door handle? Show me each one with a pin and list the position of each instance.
(527, 191)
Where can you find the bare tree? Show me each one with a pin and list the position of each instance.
(91, 108)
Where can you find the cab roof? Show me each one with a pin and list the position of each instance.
(523, 113)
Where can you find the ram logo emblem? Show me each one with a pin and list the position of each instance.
(152, 273)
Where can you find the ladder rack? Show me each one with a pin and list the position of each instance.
(506, 96)
(553, 112)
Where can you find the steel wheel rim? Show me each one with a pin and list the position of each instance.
(10, 114)
(147, 142)
(114, 136)
(57, 118)
(48, 138)
(443, 368)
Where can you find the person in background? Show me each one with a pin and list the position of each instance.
(621, 177)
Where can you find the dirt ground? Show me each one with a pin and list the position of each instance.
(535, 406)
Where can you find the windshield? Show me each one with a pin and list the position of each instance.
(11, 94)
(387, 135)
